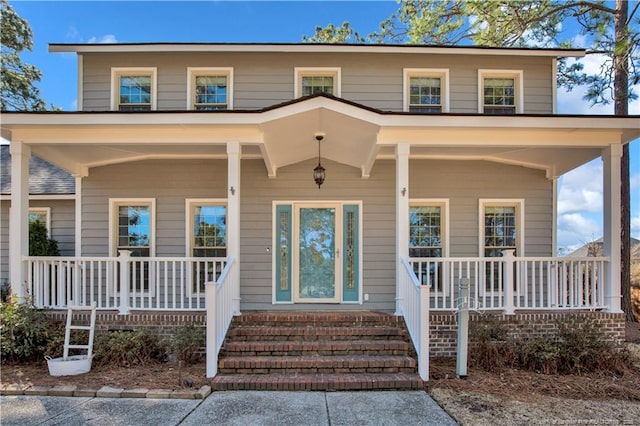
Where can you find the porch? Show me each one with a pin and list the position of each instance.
(500, 284)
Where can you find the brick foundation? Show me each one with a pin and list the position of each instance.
(156, 322)
(443, 326)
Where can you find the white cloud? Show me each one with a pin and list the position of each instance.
(635, 226)
(581, 189)
(634, 181)
(74, 105)
(576, 229)
(574, 103)
(108, 38)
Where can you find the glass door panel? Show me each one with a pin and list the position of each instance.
(317, 253)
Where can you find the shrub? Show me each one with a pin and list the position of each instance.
(490, 348)
(39, 242)
(540, 354)
(25, 332)
(5, 291)
(578, 346)
(583, 347)
(186, 343)
(128, 348)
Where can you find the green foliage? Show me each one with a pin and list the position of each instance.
(186, 343)
(128, 348)
(39, 242)
(531, 23)
(17, 78)
(332, 34)
(5, 291)
(26, 332)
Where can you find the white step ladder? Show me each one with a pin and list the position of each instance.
(70, 326)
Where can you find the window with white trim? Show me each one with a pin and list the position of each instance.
(133, 89)
(426, 90)
(206, 238)
(207, 228)
(132, 227)
(310, 81)
(500, 92)
(428, 239)
(42, 215)
(501, 228)
(210, 89)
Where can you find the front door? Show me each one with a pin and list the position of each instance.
(317, 252)
(317, 243)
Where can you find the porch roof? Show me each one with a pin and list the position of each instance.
(281, 135)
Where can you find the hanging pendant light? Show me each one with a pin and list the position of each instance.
(318, 172)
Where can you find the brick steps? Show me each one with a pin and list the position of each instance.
(280, 333)
(319, 347)
(316, 364)
(317, 351)
(318, 382)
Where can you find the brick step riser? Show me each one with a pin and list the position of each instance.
(327, 352)
(323, 348)
(311, 364)
(318, 370)
(292, 319)
(259, 334)
(318, 324)
(318, 382)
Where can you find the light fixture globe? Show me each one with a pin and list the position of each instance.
(318, 172)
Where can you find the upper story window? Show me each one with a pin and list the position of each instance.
(500, 92)
(133, 89)
(310, 81)
(426, 90)
(210, 89)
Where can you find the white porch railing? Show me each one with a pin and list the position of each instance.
(508, 283)
(414, 307)
(123, 282)
(220, 311)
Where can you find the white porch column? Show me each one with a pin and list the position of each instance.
(78, 216)
(233, 217)
(402, 215)
(19, 218)
(611, 239)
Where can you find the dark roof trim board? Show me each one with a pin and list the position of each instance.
(317, 95)
(309, 47)
(44, 177)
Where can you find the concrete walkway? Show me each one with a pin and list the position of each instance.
(230, 408)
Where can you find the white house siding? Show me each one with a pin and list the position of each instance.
(62, 229)
(265, 79)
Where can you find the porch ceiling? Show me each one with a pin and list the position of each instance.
(348, 140)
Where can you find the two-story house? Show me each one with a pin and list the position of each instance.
(309, 177)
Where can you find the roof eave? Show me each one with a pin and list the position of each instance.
(306, 48)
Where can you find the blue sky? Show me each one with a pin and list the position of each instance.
(580, 193)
